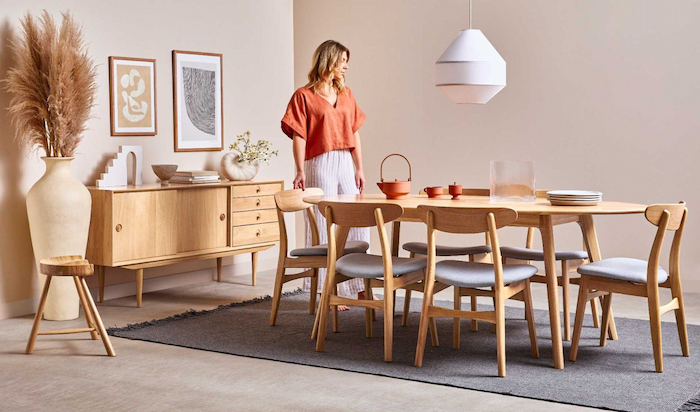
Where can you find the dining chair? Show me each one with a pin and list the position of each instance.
(310, 258)
(421, 248)
(640, 278)
(394, 272)
(496, 280)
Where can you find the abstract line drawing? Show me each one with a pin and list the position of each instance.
(132, 96)
(200, 98)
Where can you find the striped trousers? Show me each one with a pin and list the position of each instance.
(334, 173)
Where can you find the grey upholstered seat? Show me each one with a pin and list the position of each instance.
(421, 248)
(362, 265)
(631, 270)
(522, 253)
(351, 246)
(477, 275)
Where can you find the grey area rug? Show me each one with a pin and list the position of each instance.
(619, 376)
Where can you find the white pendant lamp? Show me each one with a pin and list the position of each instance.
(470, 70)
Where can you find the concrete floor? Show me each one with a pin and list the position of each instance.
(68, 374)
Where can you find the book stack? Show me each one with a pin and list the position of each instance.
(195, 177)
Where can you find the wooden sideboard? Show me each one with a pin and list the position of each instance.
(138, 227)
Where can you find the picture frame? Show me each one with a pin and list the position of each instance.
(132, 96)
(198, 103)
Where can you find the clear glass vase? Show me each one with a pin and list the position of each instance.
(512, 181)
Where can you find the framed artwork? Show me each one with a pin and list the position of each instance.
(132, 96)
(198, 101)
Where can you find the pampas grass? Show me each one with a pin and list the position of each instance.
(53, 85)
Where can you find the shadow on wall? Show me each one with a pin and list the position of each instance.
(16, 256)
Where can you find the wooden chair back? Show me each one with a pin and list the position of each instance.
(475, 220)
(667, 217)
(359, 214)
(293, 201)
(347, 215)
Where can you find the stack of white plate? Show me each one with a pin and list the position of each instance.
(574, 197)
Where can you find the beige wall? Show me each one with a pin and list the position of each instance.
(256, 39)
(601, 95)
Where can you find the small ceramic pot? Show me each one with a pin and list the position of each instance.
(433, 192)
(455, 191)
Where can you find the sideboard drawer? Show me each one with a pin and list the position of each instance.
(246, 235)
(252, 203)
(255, 190)
(253, 217)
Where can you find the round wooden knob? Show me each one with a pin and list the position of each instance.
(258, 217)
(257, 233)
(119, 228)
(222, 217)
(257, 189)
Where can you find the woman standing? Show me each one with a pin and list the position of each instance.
(323, 120)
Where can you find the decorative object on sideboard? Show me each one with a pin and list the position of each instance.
(196, 177)
(512, 181)
(198, 101)
(164, 173)
(396, 189)
(132, 96)
(470, 70)
(53, 86)
(455, 190)
(243, 162)
(116, 173)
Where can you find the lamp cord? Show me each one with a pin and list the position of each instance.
(470, 14)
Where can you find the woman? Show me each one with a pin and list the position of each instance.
(323, 120)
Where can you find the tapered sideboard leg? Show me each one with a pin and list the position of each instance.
(219, 261)
(139, 287)
(254, 259)
(101, 282)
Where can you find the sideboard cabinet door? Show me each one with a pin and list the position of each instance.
(203, 219)
(133, 232)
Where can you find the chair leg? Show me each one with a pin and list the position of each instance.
(500, 333)
(100, 326)
(314, 288)
(423, 324)
(607, 302)
(388, 322)
(277, 293)
(473, 303)
(594, 312)
(368, 311)
(37, 317)
(612, 329)
(578, 320)
(655, 323)
(432, 326)
(334, 309)
(86, 308)
(314, 330)
(565, 299)
(677, 293)
(323, 309)
(456, 321)
(532, 329)
(406, 307)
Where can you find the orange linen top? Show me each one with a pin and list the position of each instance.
(323, 126)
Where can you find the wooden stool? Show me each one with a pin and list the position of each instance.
(78, 268)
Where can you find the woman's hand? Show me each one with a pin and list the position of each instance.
(360, 180)
(300, 181)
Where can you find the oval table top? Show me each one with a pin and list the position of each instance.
(540, 206)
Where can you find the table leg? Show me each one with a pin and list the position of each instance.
(552, 288)
(590, 238)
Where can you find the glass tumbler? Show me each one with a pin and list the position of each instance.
(512, 181)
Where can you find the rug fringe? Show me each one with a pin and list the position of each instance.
(691, 405)
(194, 313)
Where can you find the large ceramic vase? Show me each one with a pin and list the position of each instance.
(58, 207)
(233, 169)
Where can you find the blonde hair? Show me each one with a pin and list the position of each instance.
(327, 58)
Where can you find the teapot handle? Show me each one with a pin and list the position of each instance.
(381, 167)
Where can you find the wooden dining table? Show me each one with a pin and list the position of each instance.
(540, 214)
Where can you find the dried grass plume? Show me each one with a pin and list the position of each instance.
(53, 85)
